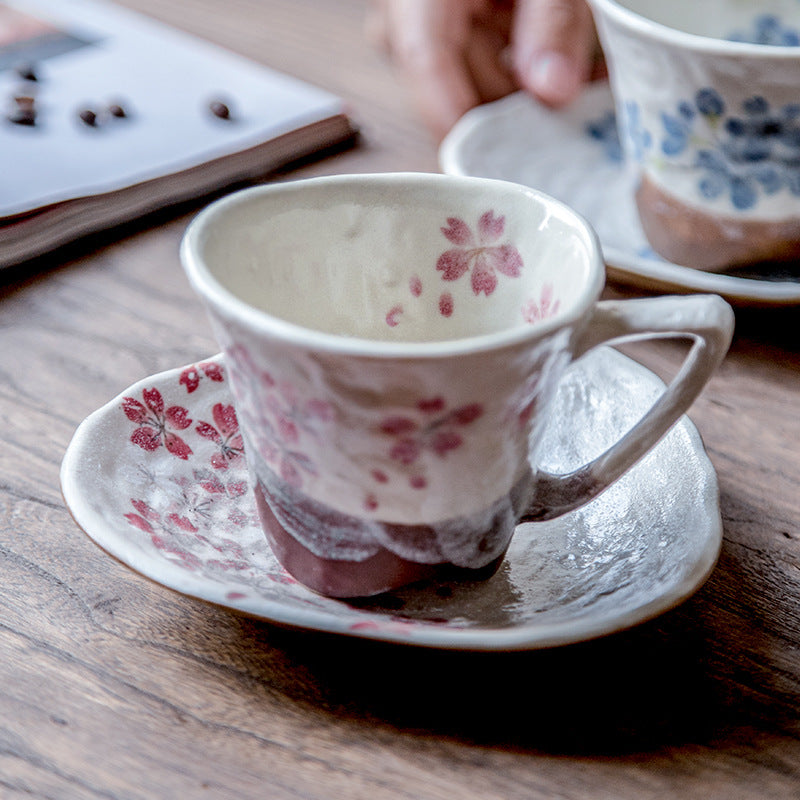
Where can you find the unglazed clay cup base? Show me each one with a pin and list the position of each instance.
(687, 235)
(706, 97)
(292, 521)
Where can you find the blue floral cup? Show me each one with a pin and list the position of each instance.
(708, 102)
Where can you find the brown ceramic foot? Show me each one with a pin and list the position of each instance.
(337, 577)
(695, 238)
(281, 506)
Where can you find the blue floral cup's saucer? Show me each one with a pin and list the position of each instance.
(574, 155)
(157, 478)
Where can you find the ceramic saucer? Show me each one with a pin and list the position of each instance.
(157, 478)
(574, 155)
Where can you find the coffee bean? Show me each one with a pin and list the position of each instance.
(88, 117)
(25, 102)
(27, 72)
(117, 110)
(219, 109)
(23, 116)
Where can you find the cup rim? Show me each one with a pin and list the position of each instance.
(264, 323)
(691, 41)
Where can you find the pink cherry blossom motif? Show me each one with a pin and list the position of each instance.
(166, 532)
(270, 443)
(282, 425)
(225, 434)
(228, 492)
(179, 529)
(174, 552)
(154, 422)
(479, 253)
(546, 307)
(295, 414)
(192, 375)
(212, 483)
(393, 316)
(145, 516)
(446, 304)
(438, 431)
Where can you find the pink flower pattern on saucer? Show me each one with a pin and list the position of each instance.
(193, 374)
(479, 253)
(177, 510)
(154, 422)
(177, 528)
(225, 434)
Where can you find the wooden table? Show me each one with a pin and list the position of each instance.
(112, 686)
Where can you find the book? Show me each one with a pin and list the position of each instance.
(109, 115)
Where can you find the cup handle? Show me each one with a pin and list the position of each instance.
(707, 320)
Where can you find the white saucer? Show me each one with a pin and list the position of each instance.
(186, 518)
(519, 140)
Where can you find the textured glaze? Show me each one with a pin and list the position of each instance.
(575, 154)
(187, 518)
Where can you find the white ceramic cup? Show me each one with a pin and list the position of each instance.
(709, 115)
(394, 344)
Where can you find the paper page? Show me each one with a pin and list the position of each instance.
(89, 55)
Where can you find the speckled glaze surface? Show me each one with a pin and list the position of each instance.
(394, 345)
(575, 154)
(157, 477)
(706, 96)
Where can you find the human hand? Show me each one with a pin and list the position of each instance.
(456, 54)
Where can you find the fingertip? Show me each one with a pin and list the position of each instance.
(553, 77)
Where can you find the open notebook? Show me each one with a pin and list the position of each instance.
(108, 115)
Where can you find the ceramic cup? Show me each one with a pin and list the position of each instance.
(709, 111)
(394, 343)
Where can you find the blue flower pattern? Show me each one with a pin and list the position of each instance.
(768, 29)
(604, 130)
(756, 150)
(639, 137)
(752, 151)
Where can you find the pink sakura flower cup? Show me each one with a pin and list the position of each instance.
(394, 345)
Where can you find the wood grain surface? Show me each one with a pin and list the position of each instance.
(114, 687)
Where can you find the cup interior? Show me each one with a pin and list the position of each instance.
(764, 22)
(422, 258)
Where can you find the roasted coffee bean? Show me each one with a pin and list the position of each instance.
(27, 72)
(88, 117)
(219, 109)
(25, 102)
(23, 116)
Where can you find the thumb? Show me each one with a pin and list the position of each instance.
(552, 47)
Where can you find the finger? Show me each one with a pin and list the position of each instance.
(428, 41)
(376, 29)
(489, 68)
(552, 46)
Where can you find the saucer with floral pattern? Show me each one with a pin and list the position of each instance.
(574, 154)
(158, 479)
